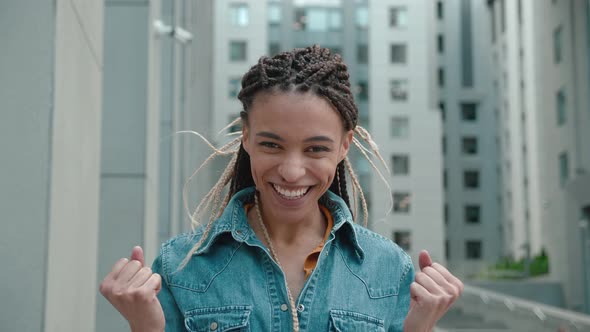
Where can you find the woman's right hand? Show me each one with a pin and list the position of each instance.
(132, 289)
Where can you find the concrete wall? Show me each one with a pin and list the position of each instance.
(425, 220)
(51, 109)
(484, 129)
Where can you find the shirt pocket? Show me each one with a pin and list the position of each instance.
(218, 319)
(347, 321)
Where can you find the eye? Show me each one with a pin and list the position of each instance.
(270, 145)
(318, 148)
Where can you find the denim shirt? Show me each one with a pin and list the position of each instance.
(361, 281)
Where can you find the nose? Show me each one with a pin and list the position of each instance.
(291, 170)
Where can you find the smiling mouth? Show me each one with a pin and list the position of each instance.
(289, 193)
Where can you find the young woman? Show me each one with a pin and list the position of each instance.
(281, 251)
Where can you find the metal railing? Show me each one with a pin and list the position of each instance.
(482, 310)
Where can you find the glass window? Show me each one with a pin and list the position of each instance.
(398, 17)
(441, 77)
(563, 168)
(440, 43)
(557, 44)
(469, 112)
(441, 106)
(234, 86)
(362, 53)
(561, 107)
(439, 10)
(335, 19)
(362, 17)
(300, 19)
(403, 239)
(238, 13)
(398, 53)
(446, 214)
(472, 214)
(399, 89)
(316, 19)
(274, 49)
(473, 249)
(401, 202)
(401, 164)
(237, 127)
(363, 90)
(469, 145)
(274, 13)
(237, 50)
(400, 127)
(471, 179)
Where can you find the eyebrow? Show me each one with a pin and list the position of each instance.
(279, 138)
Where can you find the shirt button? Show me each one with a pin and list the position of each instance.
(300, 308)
(213, 326)
(284, 307)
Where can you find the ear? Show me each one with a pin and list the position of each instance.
(245, 137)
(346, 141)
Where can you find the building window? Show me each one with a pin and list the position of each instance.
(557, 44)
(466, 44)
(472, 214)
(362, 53)
(444, 144)
(401, 202)
(274, 13)
(362, 17)
(319, 19)
(473, 249)
(234, 86)
(238, 13)
(398, 17)
(493, 21)
(471, 179)
(363, 90)
(445, 178)
(441, 77)
(399, 89)
(447, 250)
(334, 19)
(469, 145)
(503, 15)
(300, 19)
(400, 127)
(401, 164)
(274, 49)
(440, 43)
(441, 106)
(561, 107)
(446, 214)
(236, 127)
(469, 112)
(237, 51)
(439, 10)
(402, 239)
(398, 53)
(563, 168)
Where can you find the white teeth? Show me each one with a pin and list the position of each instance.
(290, 194)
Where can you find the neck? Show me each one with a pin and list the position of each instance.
(285, 231)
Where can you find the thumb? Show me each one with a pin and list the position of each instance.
(137, 254)
(424, 260)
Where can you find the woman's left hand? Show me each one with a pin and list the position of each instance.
(432, 293)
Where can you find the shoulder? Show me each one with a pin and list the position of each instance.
(384, 267)
(175, 250)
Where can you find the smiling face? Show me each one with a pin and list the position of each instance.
(295, 141)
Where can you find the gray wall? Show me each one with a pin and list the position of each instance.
(50, 105)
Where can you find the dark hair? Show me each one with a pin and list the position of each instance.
(313, 69)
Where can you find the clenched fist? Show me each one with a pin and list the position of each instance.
(132, 289)
(432, 293)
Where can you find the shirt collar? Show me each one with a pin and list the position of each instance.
(235, 221)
